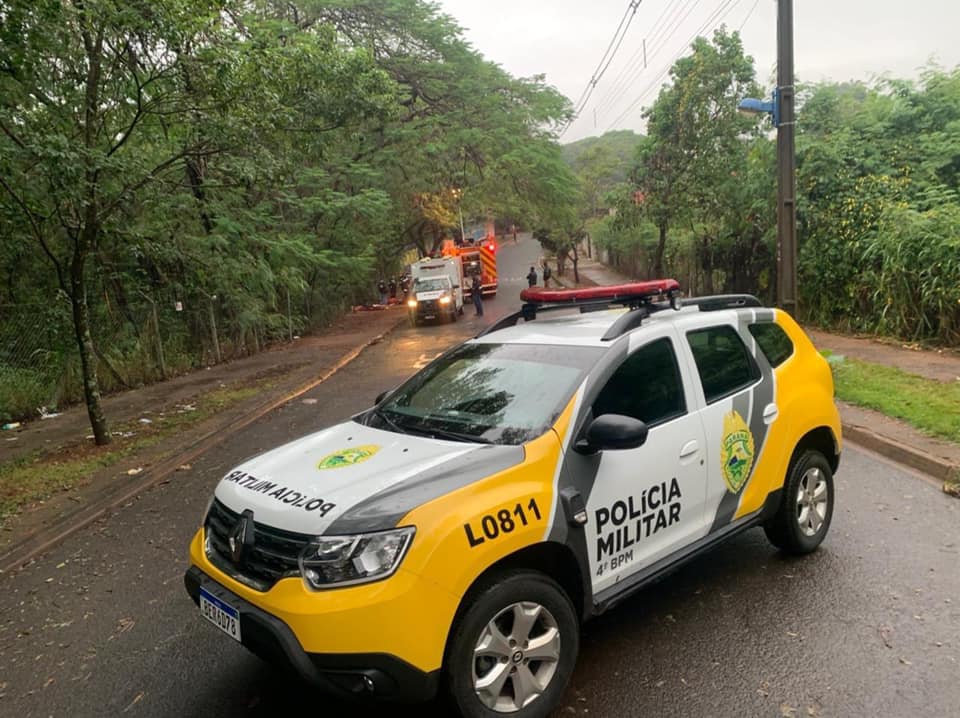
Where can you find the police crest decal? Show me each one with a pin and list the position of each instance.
(348, 457)
(736, 451)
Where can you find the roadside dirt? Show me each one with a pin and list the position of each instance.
(72, 427)
(940, 365)
(278, 372)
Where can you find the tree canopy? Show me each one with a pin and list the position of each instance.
(878, 183)
(205, 175)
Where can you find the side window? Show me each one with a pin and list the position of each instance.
(647, 386)
(773, 341)
(723, 362)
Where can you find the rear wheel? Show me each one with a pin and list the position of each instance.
(514, 648)
(806, 508)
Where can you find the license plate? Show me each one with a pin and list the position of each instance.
(220, 614)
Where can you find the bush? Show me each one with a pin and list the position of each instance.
(917, 277)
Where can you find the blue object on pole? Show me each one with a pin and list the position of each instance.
(751, 105)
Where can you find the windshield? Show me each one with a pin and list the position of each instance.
(491, 393)
(434, 284)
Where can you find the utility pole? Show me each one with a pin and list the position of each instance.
(786, 160)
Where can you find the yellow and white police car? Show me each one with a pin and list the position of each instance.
(456, 535)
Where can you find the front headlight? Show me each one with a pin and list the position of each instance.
(333, 561)
(444, 300)
(412, 303)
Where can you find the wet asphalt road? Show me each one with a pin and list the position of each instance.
(867, 626)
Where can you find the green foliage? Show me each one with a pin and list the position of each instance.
(616, 150)
(916, 280)
(275, 156)
(878, 195)
(928, 405)
(878, 206)
(696, 177)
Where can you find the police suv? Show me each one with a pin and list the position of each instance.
(455, 535)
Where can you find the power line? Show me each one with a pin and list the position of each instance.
(605, 60)
(669, 30)
(716, 17)
(637, 60)
(740, 29)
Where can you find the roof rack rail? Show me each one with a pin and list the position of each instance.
(716, 302)
(638, 296)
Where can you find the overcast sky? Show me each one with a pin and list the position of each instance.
(835, 39)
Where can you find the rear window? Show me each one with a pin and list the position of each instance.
(723, 362)
(773, 341)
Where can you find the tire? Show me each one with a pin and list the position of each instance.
(802, 520)
(453, 315)
(537, 600)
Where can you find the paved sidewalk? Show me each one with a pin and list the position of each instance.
(873, 430)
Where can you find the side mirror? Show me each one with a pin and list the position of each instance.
(381, 396)
(613, 432)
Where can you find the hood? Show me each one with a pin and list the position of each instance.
(352, 478)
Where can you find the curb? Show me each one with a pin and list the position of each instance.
(21, 552)
(940, 469)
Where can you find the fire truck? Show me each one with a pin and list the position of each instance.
(479, 258)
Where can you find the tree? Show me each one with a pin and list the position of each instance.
(269, 154)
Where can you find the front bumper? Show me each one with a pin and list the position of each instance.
(375, 675)
(430, 309)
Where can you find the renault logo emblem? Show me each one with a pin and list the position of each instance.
(241, 537)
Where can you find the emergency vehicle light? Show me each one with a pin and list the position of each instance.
(615, 293)
(638, 296)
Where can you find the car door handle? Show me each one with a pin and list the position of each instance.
(689, 449)
(770, 413)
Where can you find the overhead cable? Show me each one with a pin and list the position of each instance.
(605, 60)
(715, 18)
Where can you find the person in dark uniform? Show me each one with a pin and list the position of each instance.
(547, 273)
(393, 287)
(382, 288)
(476, 294)
(532, 277)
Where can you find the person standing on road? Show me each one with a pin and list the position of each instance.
(476, 294)
(393, 287)
(532, 277)
(382, 288)
(546, 274)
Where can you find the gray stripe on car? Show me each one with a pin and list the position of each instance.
(578, 471)
(750, 405)
(386, 508)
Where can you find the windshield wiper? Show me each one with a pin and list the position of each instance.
(394, 426)
(453, 435)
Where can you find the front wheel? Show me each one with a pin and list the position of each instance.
(514, 648)
(806, 507)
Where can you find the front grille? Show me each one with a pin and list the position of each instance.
(428, 306)
(273, 557)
